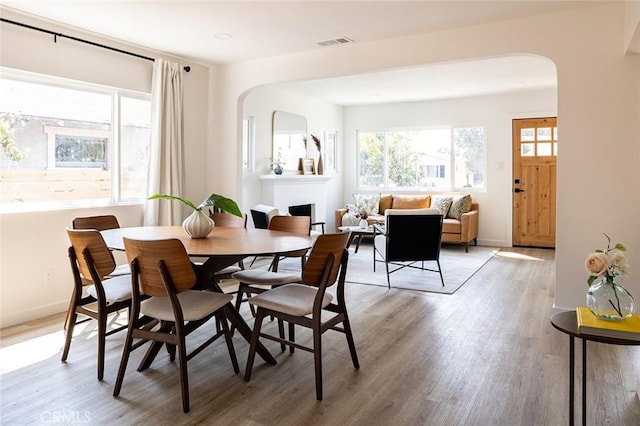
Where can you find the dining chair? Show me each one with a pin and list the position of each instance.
(408, 236)
(94, 294)
(162, 270)
(255, 281)
(101, 223)
(229, 221)
(308, 304)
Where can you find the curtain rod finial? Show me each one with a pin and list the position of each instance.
(187, 68)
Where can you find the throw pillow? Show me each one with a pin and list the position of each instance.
(367, 202)
(461, 204)
(411, 201)
(442, 203)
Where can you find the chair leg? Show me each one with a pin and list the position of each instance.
(71, 323)
(317, 357)
(388, 279)
(221, 320)
(352, 346)
(184, 377)
(126, 350)
(440, 272)
(253, 344)
(283, 347)
(292, 337)
(102, 331)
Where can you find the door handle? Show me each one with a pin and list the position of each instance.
(518, 190)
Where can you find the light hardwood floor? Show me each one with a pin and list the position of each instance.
(486, 355)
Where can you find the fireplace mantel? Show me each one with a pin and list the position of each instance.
(273, 179)
(282, 191)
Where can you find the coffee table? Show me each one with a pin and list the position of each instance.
(357, 234)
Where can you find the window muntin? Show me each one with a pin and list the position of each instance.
(436, 159)
(81, 142)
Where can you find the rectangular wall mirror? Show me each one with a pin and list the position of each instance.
(289, 131)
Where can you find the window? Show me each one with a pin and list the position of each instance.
(442, 158)
(66, 141)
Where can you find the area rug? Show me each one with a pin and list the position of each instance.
(457, 267)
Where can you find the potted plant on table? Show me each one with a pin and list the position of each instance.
(199, 224)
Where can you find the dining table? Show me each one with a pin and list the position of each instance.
(223, 247)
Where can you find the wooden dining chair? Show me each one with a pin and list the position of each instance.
(255, 281)
(162, 270)
(94, 295)
(308, 304)
(229, 221)
(101, 223)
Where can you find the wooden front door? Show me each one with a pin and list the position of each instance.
(535, 151)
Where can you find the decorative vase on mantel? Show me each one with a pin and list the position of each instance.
(198, 224)
(320, 168)
(277, 170)
(608, 300)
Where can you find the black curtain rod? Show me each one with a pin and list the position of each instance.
(56, 35)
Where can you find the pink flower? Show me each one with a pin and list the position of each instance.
(597, 264)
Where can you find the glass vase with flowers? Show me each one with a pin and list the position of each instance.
(607, 298)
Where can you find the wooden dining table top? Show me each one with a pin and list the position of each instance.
(221, 241)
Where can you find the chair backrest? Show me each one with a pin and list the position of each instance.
(229, 220)
(325, 246)
(90, 241)
(295, 224)
(101, 223)
(145, 257)
(262, 214)
(413, 236)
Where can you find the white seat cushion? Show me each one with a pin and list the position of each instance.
(116, 289)
(292, 299)
(262, 276)
(195, 305)
(229, 270)
(123, 269)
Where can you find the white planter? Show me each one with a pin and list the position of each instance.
(198, 224)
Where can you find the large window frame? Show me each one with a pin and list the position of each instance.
(128, 122)
(445, 166)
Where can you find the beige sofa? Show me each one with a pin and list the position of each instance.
(459, 226)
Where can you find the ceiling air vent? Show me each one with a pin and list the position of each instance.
(335, 41)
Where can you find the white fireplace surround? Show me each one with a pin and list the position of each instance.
(282, 191)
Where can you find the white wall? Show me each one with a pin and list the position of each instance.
(31, 243)
(261, 103)
(598, 110)
(493, 112)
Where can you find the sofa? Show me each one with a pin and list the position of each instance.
(460, 224)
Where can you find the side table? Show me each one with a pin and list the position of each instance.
(357, 234)
(567, 323)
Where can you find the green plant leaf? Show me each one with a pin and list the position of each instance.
(223, 203)
(171, 197)
(591, 279)
(620, 247)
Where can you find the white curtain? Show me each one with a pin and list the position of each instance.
(166, 155)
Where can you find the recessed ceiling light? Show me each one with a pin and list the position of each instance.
(223, 36)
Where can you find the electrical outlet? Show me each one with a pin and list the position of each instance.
(48, 276)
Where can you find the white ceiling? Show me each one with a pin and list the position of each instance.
(189, 29)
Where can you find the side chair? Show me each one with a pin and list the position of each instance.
(308, 304)
(229, 221)
(101, 223)
(94, 295)
(162, 270)
(255, 281)
(408, 236)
